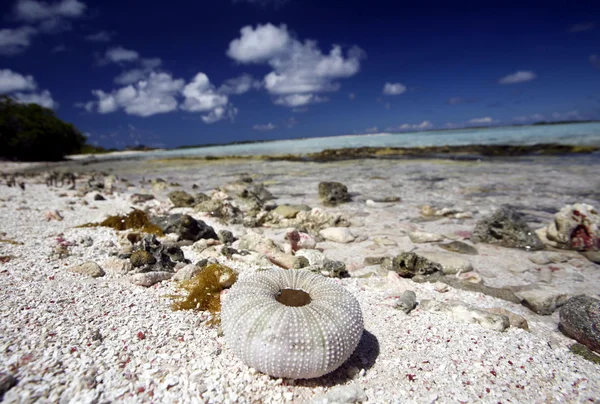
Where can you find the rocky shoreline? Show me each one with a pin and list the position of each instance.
(477, 279)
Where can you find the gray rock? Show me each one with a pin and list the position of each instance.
(514, 319)
(459, 247)
(349, 394)
(7, 382)
(185, 226)
(450, 263)
(409, 264)
(89, 268)
(226, 237)
(407, 301)
(333, 193)
(314, 257)
(181, 199)
(300, 262)
(462, 312)
(150, 278)
(593, 256)
(506, 228)
(156, 256)
(289, 211)
(580, 319)
(373, 260)
(187, 272)
(424, 237)
(542, 300)
(338, 234)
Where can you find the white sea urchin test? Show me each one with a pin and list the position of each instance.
(291, 323)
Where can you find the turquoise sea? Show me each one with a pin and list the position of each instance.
(573, 134)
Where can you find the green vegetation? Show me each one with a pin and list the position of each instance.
(33, 133)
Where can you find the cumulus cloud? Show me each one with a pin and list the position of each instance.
(299, 69)
(131, 76)
(394, 88)
(483, 120)
(44, 99)
(14, 41)
(239, 85)
(14, 84)
(412, 126)
(100, 36)
(264, 127)
(595, 61)
(220, 113)
(119, 54)
(585, 26)
(518, 77)
(200, 96)
(50, 17)
(11, 81)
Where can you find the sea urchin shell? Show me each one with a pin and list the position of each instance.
(291, 323)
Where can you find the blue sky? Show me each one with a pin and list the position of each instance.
(187, 72)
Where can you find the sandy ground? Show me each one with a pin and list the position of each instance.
(70, 338)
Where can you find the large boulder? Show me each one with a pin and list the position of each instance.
(506, 228)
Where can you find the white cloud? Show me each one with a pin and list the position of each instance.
(298, 100)
(133, 75)
(299, 69)
(220, 113)
(260, 44)
(200, 96)
(483, 120)
(586, 26)
(595, 61)
(100, 36)
(264, 127)
(33, 11)
(44, 99)
(374, 129)
(518, 77)
(239, 85)
(145, 98)
(394, 88)
(526, 118)
(119, 55)
(11, 81)
(423, 125)
(352, 96)
(414, 126)
(567, 116)
(14, 41)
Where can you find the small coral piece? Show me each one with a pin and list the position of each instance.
(204, 290)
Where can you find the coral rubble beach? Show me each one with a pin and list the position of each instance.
(76, 326)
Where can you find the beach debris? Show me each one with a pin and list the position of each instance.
(314, 257)
(148, 279)
(542, 300)
(424, 237)
(515, 320)
(136, 220)
(506, 228)
(289, 211)
(459, 247)
(410, 264)
(265, 313)
(348, 394)
(428, 211)
(7, 382)
(158, 184)
(330, 268)
(338, 234)
(140, 198)
(56, 179)
(53, 215)
(470, 277)
(185, 226)
(575, 227)
(203, 291)
(89, 268)
(333, 193)
(226, 237)
(181, 199)
(300, 240)
(441, 287)
(462, 312)
(189, 271)
(451, 264)
(406, 302)
(117, 266)
(579, 319)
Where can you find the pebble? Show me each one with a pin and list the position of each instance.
(89, 268)
(462, 312)
(117, 266)
(347, 394)
(440, 287)
(150, 278)
(338, 234)
(187, 272)
(424, 237)
(471, 277)
(459, 247)
(451, 264)
(514, 319)
(407, 301)
(542, 300)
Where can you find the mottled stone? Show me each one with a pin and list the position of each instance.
(580, 319)
(464, 313)
(459, 247)
(181, 199)
(408, 265)
(406, 302)
(150, 278)
(226, 237)
(506, 228)
(451, 264)
(333, 193)
(185, 226)
(514, 319)
(576, 227)
(89, 268)
(289, 211)
(543, 301)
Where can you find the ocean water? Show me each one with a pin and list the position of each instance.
(574, 134)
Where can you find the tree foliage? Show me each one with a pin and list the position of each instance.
(33, 133)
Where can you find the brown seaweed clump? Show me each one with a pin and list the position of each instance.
(137, 219)
(204, 290)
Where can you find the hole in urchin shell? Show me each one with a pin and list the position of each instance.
(293, 297)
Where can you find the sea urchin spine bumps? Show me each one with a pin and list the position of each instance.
(291, 323)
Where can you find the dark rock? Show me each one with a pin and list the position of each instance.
(337, 269)
(7, 382)
(506, 228)
(142, 258)
(580, 319)
(333, 193)
(226, 237)
(200, 197)
(181, 199)
(300, 262)
(99, 197)
(585, 352)
(153, 256)
(139, 198)
(409, 264)
(368, 261)
(185, 226)
(459, 247)
(228, 251)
